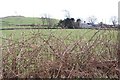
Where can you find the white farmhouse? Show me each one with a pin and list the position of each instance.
(85, 25)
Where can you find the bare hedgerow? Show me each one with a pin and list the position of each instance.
(42, 56)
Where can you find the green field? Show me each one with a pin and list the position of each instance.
(11, 21)
(74, 34)
(67, 36)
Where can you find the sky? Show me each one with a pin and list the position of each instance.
(101, 9)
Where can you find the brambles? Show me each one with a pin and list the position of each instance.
(57, 57)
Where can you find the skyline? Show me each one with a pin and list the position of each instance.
(101, 9)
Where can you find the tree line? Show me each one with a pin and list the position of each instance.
(69, 23)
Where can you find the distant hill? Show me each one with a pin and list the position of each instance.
(21, 20)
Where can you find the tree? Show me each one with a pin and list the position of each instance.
(92, 19)
(67, 14)
(60, 24)
(114, 20)
(78, 23)
(43, 20)
(101, 24)
(46, 19)
(67, 23)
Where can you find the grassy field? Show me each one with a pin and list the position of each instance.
(74, 34)
(47, 53)
(19, 20)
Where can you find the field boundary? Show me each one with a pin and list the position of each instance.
(57, 28)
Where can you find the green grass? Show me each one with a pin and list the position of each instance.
(74, 34)
(19, 20)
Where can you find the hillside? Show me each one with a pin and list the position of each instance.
(21, 20)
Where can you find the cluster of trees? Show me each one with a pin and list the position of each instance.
(69, 23)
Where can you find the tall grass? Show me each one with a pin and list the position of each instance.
(60, 57)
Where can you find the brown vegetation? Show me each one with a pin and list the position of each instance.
(52, 57)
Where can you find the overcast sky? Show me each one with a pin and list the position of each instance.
(102, 9)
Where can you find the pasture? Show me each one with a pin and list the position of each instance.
(73, 34)
(12, 21)
(59, 53)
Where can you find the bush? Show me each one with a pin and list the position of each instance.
(52, 57)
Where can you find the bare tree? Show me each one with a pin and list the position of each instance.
(46, 20)
(67, 13)
(114, 20)
(43, 20)
(92, 19)
(50, 22)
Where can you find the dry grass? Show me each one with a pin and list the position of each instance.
(52, 57)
